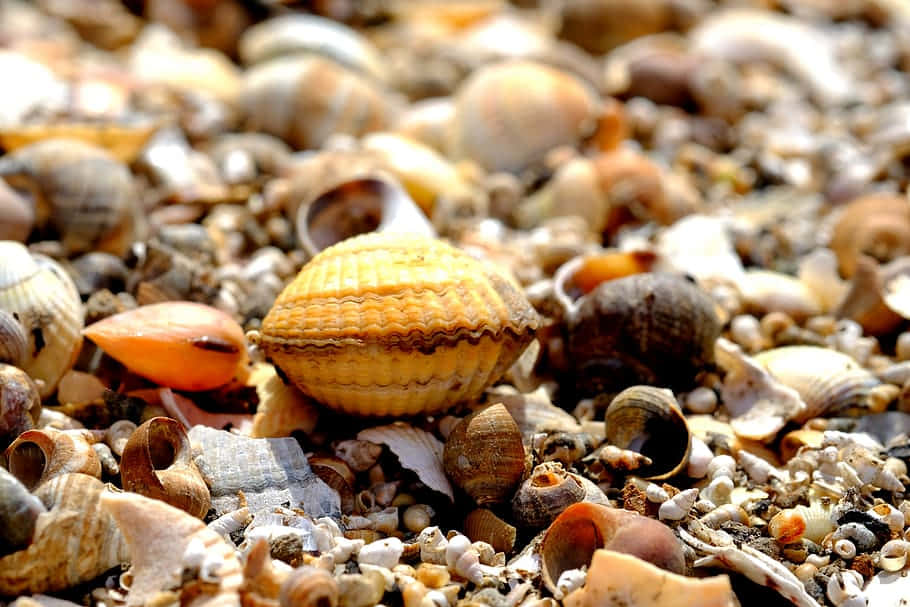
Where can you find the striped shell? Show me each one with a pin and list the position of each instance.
(386, 324)
(44, 299)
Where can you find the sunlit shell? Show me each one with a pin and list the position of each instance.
(83, 193)
(387, 324)
(179, 344)
(157, 462)
(43, 298)
(633, 185)
(766, 291)
(36, 456)
(877, 225)
(305, 99)
(122, 141)
(282, 409)
(19, 511)
(484, 455)
(74, 541)
(427, 121)
(482, 525)
(417, 450)
(509, 115)
(534, 412)
(574, 189)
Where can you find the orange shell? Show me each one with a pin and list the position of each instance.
(178, 344)
(391, 324)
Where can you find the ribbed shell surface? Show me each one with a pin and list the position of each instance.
(386, 324)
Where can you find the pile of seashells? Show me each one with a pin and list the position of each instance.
(454, 303)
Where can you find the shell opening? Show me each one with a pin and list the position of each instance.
(344, 211)
(546, 479)
(576, 553)
(27, 461)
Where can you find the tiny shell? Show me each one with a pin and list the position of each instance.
(482, 525)
(391, 324)
(335, 473)
(42, 296)
(37, 456)
(484, 455)
(417, 450)
(617, 578)
(182, 345)
(20, 404)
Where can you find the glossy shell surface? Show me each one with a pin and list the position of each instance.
(386, 324)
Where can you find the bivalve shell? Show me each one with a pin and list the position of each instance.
(386, 324)
(44, 299)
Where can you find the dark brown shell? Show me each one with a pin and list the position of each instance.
(548, 491)
(643, 329)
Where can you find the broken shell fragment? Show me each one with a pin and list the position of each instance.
(37, 456)
(178, 344)
(392, 324)
(582, 528)
(157, 462)
(417, 450)
(648, 420)
(484, 455)
(617, 578)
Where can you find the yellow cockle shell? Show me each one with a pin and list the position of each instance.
(392, 324)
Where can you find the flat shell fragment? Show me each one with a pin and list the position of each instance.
(417, 450)
(269, 471)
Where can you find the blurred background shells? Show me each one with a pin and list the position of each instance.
(42, 297)
(877, 225)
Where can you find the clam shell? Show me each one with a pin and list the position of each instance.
(37, 456)
(388, 324)
(19, 511)
(20, 404)
(305, 99)
(484, 455)
(75, 541)
(81, 191)
(648, 420)
(482, 525)
(269, 472)
(417, 450)
(509, 115)
(42, 296)
(642, 329)
(157, 462)
(616, 577)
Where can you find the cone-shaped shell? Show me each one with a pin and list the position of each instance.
(571, 539)
(74, 540)
(178, 344)
(484, 455)
(158, 462)
(42, 296)
(37, 456)
(391, 324)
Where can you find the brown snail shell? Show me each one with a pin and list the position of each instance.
(484, 455)
(335, 473)
(19, 511)
(877, 225)
(304, 99)
(649, 328)
(582, 528)
(37, 292)
(542, 496)
(395, 324)
(83, 193)
(648, 420)
(75, 541)
(509, 115)
(20, 403)
(157, 462)
(482, 525)
(37, 456)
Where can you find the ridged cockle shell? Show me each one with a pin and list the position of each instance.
(391, 324)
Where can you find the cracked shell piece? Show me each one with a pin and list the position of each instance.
(392, 324)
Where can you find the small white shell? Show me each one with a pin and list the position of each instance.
(677, 507)
(893, 555)
(843, 586)
(382, 553)
(417, 450)
(845, 549)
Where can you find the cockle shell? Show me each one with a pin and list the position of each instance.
(43, 298)
(386, 324)
(36, 456)
(877, 225)
(179, 344)
(157, 462)
(74, 540)
(81, 191)
(19, 511)
(509, 115)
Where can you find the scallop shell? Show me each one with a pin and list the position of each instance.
(648, 420)
(162, 542)
(509, 115)
(829, 382)
(179, 344)
(37, 456)
(619, 578)
(20, 404)
(416, 449)
(19, 512)
(389, 324)
(269, 471)
(542, 496)
(81, 191)
(482, 525)
(157, 462)
(484, 455)
(42, 296)
(74, 541)
(572, 539)
(306, 99)
(877, 225)
(642, 329)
